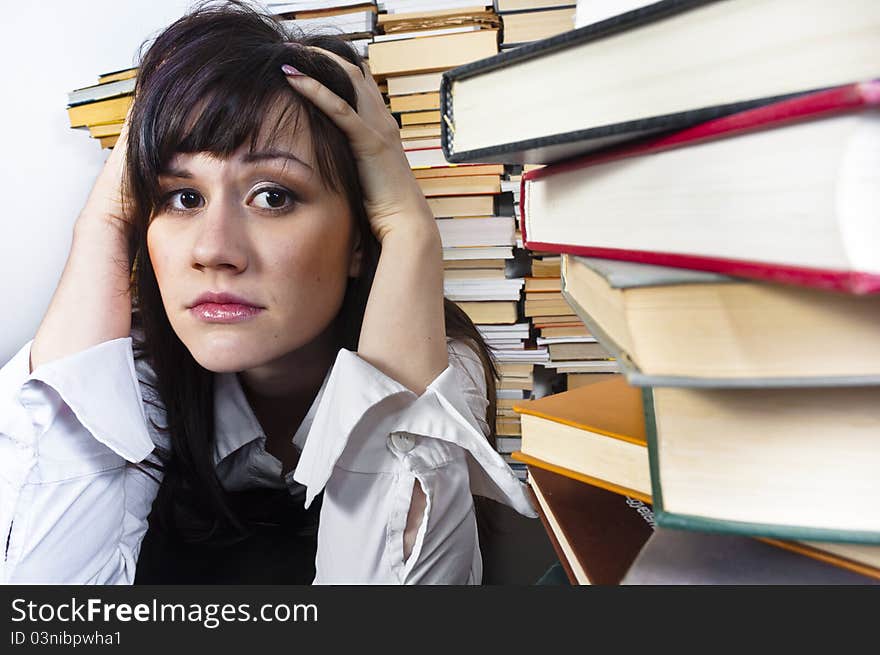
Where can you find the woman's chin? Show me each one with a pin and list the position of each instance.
(228, 356)
(224, 364)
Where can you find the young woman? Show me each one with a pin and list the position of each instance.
(248, 372)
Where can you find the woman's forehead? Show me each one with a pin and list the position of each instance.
(275, 155)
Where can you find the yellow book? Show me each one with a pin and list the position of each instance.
(108, 141)
(103, 111)
(458, 171)
(420, 118)
(595, 433)
(385, 20)
(535, 25)
(500, 311)
(461, 206)
(416, 102)
(462, 185)
(106, 129)
(418, 83)
(115, 76)
(541, 284)
(420, 131)
(431, 53)
(465, 264)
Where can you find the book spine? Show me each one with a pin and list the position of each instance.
(447, 123)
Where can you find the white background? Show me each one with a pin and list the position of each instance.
(48, 48)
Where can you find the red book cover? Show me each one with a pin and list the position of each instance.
(812, 106)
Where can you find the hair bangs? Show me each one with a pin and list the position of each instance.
(223, 116)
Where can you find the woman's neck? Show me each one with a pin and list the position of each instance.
(281, 392)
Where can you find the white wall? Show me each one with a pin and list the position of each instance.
(48, 48)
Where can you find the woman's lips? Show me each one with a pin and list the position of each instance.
(226, 312)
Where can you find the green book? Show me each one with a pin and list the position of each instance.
(791, 463)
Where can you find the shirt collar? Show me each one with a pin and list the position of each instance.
(235, 423)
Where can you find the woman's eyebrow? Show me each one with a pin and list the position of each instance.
(263, 155)
(249, 158)
(176, 172)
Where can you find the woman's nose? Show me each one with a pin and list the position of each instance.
(220, 240)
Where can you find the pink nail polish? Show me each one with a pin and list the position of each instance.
(290, 70)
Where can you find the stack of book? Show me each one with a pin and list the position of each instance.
(416, 43)
(573, 355)
(353, 20)
(716, 222)
(524, 21)
(485, 269)
(101, 108)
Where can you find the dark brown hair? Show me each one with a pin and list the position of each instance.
(203, 86)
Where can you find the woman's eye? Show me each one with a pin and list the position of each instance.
(183, 200)
(273, 198)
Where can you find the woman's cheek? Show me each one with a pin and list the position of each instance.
(314, 280)
(161, 248)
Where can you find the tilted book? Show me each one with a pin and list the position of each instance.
(596, 533)
(677, 327)
(786, 193)
(661, 67)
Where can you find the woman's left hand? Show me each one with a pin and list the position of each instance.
(393, 198)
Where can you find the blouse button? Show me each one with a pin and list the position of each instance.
(402, 441)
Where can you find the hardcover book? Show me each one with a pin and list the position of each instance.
(101, 91)
(595, 434)
(728, 196)
(430, 53)
(791, 463)
(109, 110)
(677, 327)
(661, 67)
(596, 533)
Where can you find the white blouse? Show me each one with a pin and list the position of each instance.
(72, 512)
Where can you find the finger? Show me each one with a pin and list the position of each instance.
(358, 75)
(378, 115)
(337, 109)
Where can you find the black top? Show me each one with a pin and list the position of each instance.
(281, 549)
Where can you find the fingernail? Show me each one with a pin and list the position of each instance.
(290, 70)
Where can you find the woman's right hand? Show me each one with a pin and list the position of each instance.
(92, 303)
(105, 201)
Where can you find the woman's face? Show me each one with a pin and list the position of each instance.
(252, 254)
